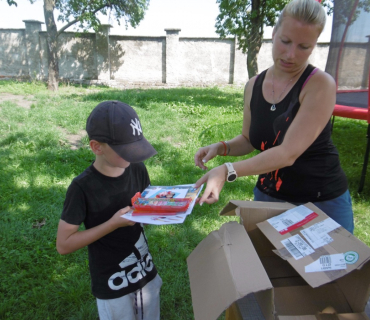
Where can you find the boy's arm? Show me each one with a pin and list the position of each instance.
(69, 239)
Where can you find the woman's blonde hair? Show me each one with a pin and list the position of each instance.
(307, 11)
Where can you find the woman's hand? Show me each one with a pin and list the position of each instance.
(215, 180)
(205, 154)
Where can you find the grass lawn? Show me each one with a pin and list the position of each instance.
(39, 158)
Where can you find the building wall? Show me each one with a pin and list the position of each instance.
(169, 59)
(76, 55)
(205, 61)
(13, 57)
(355, 57)
(137, 59)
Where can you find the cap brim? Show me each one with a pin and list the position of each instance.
(137, 151)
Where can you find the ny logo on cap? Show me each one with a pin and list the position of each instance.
(136, 126)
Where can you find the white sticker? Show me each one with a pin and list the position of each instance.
(317, 234)
(351, 257)
(297, 247)
(292, 219)
(328, 263)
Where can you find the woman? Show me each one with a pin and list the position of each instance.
(287, 110)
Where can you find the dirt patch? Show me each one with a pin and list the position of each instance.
(74, 140)
(175, 144)
(22, 101)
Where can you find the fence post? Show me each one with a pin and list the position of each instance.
(103, 52)
(233, 48)
(32, 42)
(172, 47)
(366, 76)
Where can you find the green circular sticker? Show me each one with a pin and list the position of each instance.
(351, 257)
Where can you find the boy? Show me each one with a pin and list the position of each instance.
(124, 279)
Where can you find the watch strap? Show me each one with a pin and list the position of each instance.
(231, 173)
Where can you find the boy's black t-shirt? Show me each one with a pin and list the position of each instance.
(120, 262)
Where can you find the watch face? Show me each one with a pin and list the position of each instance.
(231, 177)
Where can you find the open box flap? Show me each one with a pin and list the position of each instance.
(223, 268)
(356, 287)
(328, 316)
(230, 208)
(342, 242)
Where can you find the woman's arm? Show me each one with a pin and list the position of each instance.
(317, 104)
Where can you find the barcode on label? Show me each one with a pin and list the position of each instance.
(325, 261)
(293, 250)
(287, 222)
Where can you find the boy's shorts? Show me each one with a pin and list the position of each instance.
(140, 305)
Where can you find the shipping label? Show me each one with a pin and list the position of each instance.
(327, 263)
(297, 247)
(292, 219)
(317, 234)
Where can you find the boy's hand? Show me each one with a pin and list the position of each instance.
(118, 221)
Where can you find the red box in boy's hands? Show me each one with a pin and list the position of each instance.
(155, 206)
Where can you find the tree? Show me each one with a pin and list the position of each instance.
(343, 9)
(83, 13)
(245, 19)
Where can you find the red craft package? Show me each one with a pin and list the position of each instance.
(158, 206)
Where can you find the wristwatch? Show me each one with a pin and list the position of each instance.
(231, 173)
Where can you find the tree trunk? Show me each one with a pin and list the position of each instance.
(254, 46)
(52, 45)
(254, 39)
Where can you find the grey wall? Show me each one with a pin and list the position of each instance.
(138, 59)
(13, 57)
(169, 59)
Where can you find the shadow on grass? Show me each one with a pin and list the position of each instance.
(349, 136)
(213, 97)
(33, 276)
(52, 283)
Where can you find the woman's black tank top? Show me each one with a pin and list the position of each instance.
(316, 175)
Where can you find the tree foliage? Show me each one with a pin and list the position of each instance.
(238, 17)
(344, 7)
(245, 19)
(83, 14)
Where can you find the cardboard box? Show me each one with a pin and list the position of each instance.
(249, 259)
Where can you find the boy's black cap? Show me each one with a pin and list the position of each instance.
(118, 125)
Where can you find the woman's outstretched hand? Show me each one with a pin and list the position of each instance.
(205, 154)
(215, 180)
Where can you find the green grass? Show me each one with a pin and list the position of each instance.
(37, 165)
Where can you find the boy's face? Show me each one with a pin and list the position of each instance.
(110, 158)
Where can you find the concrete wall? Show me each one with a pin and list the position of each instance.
(169, 59)
(13, 57)
(77, 58)
(351, 69)
(138, 59)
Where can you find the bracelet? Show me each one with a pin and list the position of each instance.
(228, 147)
(225, 148)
